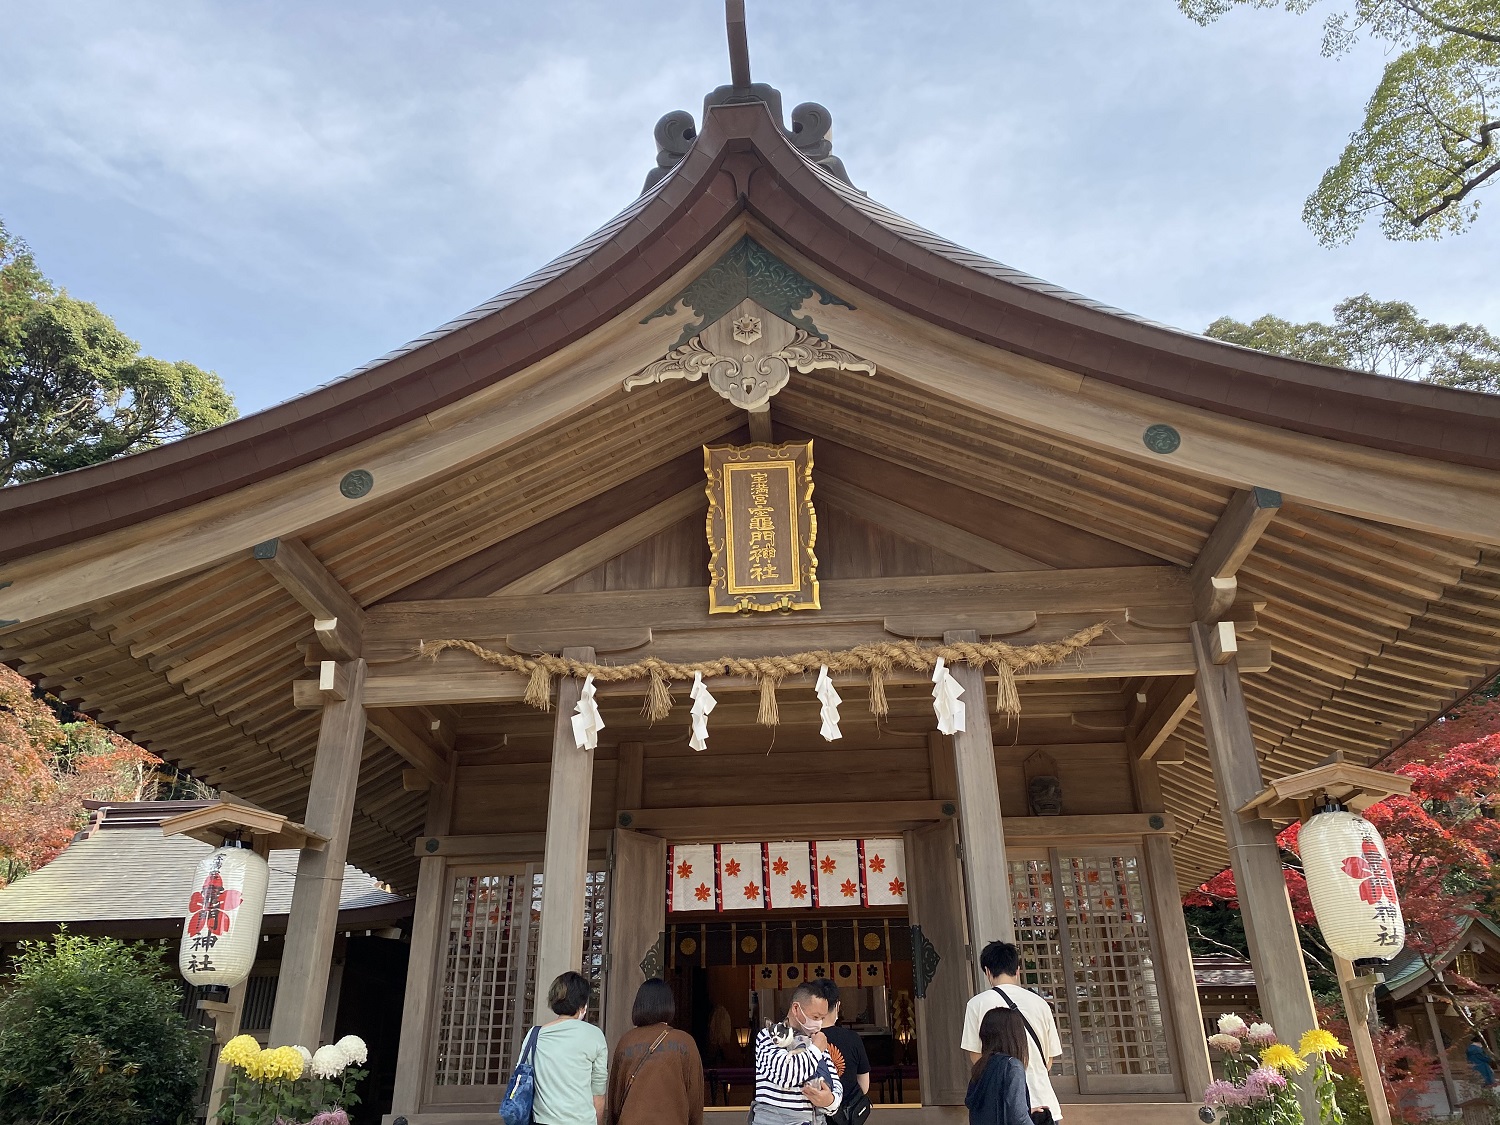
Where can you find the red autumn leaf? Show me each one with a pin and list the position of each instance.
(732, 868)
(877, 864)
(780, 867)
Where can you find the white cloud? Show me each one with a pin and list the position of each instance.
(282, 191)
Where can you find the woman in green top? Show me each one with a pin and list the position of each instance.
(572, 1068)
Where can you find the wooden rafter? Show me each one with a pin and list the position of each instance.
(338, 619)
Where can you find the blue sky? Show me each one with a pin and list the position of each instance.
(282, 191)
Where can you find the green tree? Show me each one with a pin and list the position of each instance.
(75, 389)
(90, 1033)
(1387, 337)
(1428, 141)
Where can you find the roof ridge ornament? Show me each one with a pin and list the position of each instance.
(810, 132)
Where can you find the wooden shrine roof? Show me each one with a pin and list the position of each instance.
(1001, 434)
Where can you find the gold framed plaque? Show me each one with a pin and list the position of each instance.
(761, 528)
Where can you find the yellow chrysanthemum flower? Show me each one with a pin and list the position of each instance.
(1320, 1042)
(288, 1063)
(1280, 1057)
(239, 1051)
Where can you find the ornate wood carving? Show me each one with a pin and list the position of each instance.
(748, 354)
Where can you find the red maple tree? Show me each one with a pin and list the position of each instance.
(48, 768)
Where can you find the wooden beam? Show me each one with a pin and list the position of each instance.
(338, 619)
(504, 846)
(426, 683)
(1094, 826)
(1175, 702)
(690, 501)
(395, 628)
(924, 528)
(692, 825)
(1245, 518)
(394, 728)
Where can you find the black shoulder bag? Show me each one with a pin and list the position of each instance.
(1042, 1115)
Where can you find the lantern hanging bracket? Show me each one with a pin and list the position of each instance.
(222, 820)
(1299, 795)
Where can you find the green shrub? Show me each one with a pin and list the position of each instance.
(90, 1034)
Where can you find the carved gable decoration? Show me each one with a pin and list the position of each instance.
(761, 528)
(750, 334)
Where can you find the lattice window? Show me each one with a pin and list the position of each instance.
(1115, 987)
(595, 939)
(1041, 946)
(476, 1017)
(1094, 962)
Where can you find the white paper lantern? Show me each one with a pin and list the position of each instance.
(222, 927)
(1349, 880)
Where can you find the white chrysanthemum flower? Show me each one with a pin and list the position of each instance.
(1261, 1034)
(1231, 1024)
(329, 1062)
(354, 1049)
(304, 1052)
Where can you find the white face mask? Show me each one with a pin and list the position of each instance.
(808, 1026)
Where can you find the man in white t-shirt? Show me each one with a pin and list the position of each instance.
(1002, 965)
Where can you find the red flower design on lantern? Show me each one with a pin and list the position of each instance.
(1374, 873)
(212, 907)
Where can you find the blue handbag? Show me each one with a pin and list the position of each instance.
(515, 1109)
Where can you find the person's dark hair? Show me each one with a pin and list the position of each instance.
(1000, 959)
(569, 994)
(1001, 1032)
(654, 1003)
(807, 990)
(828, 989)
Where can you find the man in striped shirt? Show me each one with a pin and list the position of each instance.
(795, 1079)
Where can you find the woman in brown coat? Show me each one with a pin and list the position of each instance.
(655, 1073)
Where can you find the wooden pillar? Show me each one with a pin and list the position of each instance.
(565, 856)
(987, 877)
(1358, 995)
(1275, 952)
(1450, 1087)
(413, 1055)
(1174, 958)
(630, 776)
(308, 953)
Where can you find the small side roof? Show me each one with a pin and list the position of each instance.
(121, 875)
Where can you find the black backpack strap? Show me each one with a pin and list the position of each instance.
(1011, 1004)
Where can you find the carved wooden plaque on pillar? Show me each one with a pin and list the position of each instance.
(761, 528)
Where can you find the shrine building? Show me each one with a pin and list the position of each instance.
(1084, 585)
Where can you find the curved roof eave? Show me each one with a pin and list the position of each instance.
(848, 235)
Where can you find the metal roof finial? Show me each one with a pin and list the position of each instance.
(739, 44)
